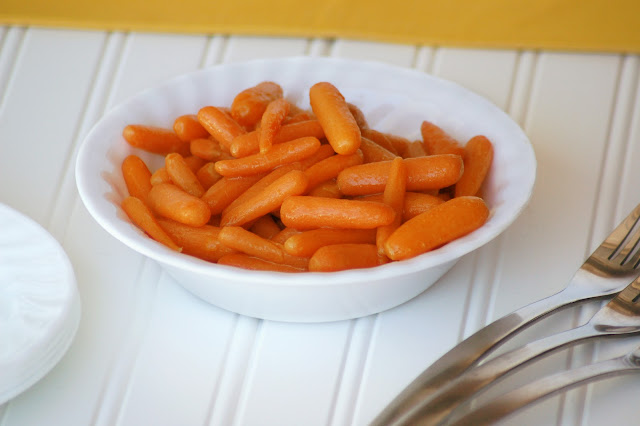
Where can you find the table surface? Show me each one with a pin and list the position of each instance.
(148, 352)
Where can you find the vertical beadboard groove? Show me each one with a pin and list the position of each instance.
(10, 48)
(335, 410)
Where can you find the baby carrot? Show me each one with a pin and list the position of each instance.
(154, 139)
(393, 196)
(436, 227)
(142, 217)
(358, 115)
(249, 143)
(207, 149)
(372, 152)
(238, 238)
(437, 141)
(265, 227)
(330, 167)
(304, 212)
(345, 256)
(414, 149)
(327, 189)
(299, 116)
(207, 175)
(201, 242)
(244, 261)
(272, 122)
(308, 242)
(267, 200)
(284, 235)
(194, 163)
(137, 176)
(188, 128)
(223, 192)
(478, 155)
(400, 144)
(182, 176)
(423, 173)
(249, 105)
(325, 151)
(219, 125)
(414, 203)
(379, 138)
(338, 123)
(287, 152)
(160, 176)
(167, 200)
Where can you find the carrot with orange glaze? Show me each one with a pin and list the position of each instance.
(144, 219)
(207, 175)
(241, 260)
(220, 125)
(330, 167)
(423, 173)
(414, 203)
(182, 175)
(167, 200)
(393, 196)
(305, 212)
(340, 128)
(271, 122)
(209, 150)
(358, 115)
(201, 242)
(284, 235)
(436, 227)
(287, 152)
(249, 143)
(188, 128)
(308, 242)
(327, 189)
(265, 227)
(249, 105)
(379, 138)
(437, 141)
(238, 238)
(137, 176)
(372, 152)
(478, 156)
(154, 139)
(345, 256)
(223, 192)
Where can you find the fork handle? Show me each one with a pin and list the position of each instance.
(471, 350)
(539, 390)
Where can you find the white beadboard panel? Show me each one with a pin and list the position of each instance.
(395, 54)
(239, 49)
(293, 374)
(46, 93)
(10, 42)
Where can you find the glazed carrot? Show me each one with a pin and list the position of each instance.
(437, 141)
(248, 262)
(325, 151)
(284, 235)
(437, 226)
(414, 149)
(287, 152)
(249, 143)
(338, 123)
(330, 167)
(345, 256)
(143, 218)
(219, 125)
(304, 212)
(267, 200)
(249, 105)
(299, 116)
(223, 192)
(154, 139)
(400, 144)
(265, 227)
(327, 189)
(171, 202)
(423, 173)
(137, 176)
(238, 238)
(358, 115)
(308, 242)
(209, 150)
(188, 128)
(194, 163)
(160, 176)
(272, 122)
(478, 155)
(414, 203)
(393, 196)
(182, 176)
(372, 152)
(201, 242)
(260, 185)
(379, 138)
(207, 175)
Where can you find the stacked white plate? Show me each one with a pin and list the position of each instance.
(39, 303)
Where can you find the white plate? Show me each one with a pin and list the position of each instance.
(39, 303)
(393, 99)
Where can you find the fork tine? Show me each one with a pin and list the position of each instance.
(614, 244)
(632, 258)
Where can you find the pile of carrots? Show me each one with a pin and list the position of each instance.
(266, 185)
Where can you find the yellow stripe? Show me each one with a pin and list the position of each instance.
(596, 25)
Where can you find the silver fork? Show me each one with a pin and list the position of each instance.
(602, 274)
(621, 316)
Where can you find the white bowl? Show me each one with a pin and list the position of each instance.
(393, 99)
